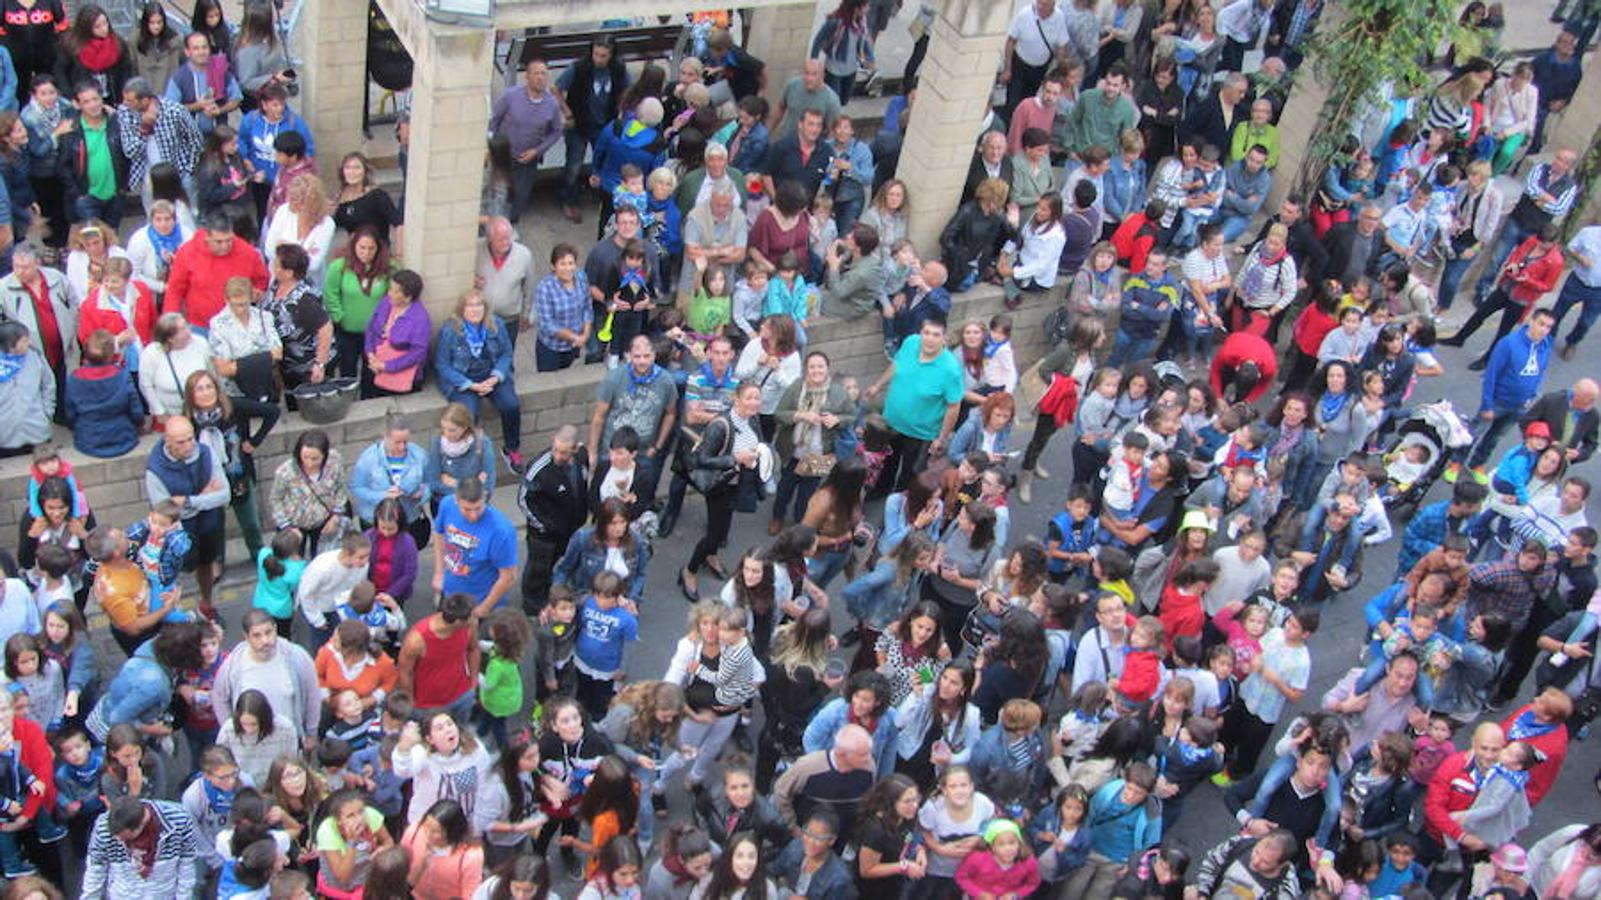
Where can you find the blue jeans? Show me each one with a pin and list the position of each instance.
(1587, 298)
(1511, 236)
(504, 397)
(844, 86)
(1127, 349)
(822, 568)
(1234, 226)
(11, 856)
(575, 145)
(1280, 772)
(522, 186)
(796, 487)
(646, 820)
(1190, 222)
(548, 360)
(1488, 435)
(91, 207)
(1451, 279)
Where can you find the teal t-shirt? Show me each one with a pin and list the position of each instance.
(920, 391)
(276, 596)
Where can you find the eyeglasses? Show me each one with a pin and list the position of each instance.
(820, 838)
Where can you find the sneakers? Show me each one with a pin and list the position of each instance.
(1481, 475)
(1452, 473)
(514, 460)
(658, 803)
(1040, 473)
(1222, 779)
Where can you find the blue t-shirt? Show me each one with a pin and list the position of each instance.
(602, 634)
(475, 552)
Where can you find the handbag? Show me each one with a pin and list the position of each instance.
(815, 465)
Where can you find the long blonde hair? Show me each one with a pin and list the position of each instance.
(306, 191)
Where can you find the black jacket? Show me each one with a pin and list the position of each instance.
(976, 173)
(555, 498)
(72, 161)
(710, 464)
(583, 84)
(1340, 241)
(970, 235)
(1205, 123)
(1553, 409)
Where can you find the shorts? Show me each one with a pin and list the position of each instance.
(205, 546)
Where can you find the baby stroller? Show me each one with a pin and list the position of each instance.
(1442, 433)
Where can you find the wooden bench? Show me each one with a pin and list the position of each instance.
(644, 43)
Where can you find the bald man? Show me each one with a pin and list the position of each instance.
(1571, 414)
(1455, 785)
(835, 779)
(182, 469)
(504, 274)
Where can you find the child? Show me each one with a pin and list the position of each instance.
(788, 294)
(1003, 868)
(158, 546)
(1184, 762)
(629, 299)
(1432, 747)
(1088, 714)
(43, 678)
(1000, 363)
(824, 231)
(1220, 662)
(1124, 474)
(1280, 598)
(750, 298)
(630, 194)
(1279, 677)
(1419, 635)
(711, 308)
(372, 767)
(200, 723)
(1501, 807)
(1246, 447)
(606, 624)
(1063, 845)
(500, 687)
(209, 799)
(352, 723)
(78, 770)
(899, 266)
(48, 463)
(1404, 467)
(1142, 668)
(616, 872)
(129, 770)
(1070, 538)
(1187, 657)
(380, 612)
(1111, 569)
(1183, 613)
(52, 564)
(1243, 625)
(982, 627)
(1206, 192)
(609, 808)
(279, 569)
(17, 784)
(556, 639)
(877, 440)
(1400, 867)
(327, 580)
(333, 755)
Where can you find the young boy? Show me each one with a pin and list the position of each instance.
(383, 616)
(209, 798)
(327, 582)
(556, 639)
(1000, 364)
(629, 299)
(750, 297)
(630, 193)
(78, 801)
(352, 724)
(1187, 656)
(373, 769)
(1246, 447)
(1431, 748)
(1419, 635)
(1449, 560)
(1202, 198)
(1400, 867)
(51, 584)
(606, 624)
(1124, 474)
(18, 785)
(1185, 761)
(158, 546)
(1070, 538)
(1111, 569)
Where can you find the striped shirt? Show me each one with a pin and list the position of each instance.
(560, 308)
(111, 870)
(736, 675)
(1536, 184)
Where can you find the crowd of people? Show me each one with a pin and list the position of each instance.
(899, 689)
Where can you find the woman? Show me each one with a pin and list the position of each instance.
(460, 450)
(972, 350)
(1266, 285)
(889, 212)
(157, 48)
(795, 688)
(609, 545)
(506, 809)
(1033, 178)
(357, 280)
(123, 307)
(223, 180)
(523, 877)
(722, 466)
(715, 666)
(1292, 437)
(888, 851)
(1540, 493)
(142, 691)
(1068, 368)
(987, 430)
(92, 53)
(643, 725)
(907, 649)
(1043, 239)
(1452, 109)
(396, 343)
(772, 363)
(443, 762)
(1343, 420)
(1566, 864)
(309, 492)
(350, 835)
(259, 58)
(222, 424)
(152, 247)
(165, 364)
(166, 184)
(304, 221)
(31, 36)
(208, 19)
(390, 468)
(361, 203)
(835, 511)
(812, 414)
(16, 169)
(27, 392)
(919, 509)
(1198, 52)
(245, 348)
(938, 724)
(878, 595)
(1155, 567)
(783, 227)
(257, 736)
(59, 523)
(1479, 206)
(48, 116)
(1390, 357)
(843, 43)
(1013, 667)
(763, 590)
(1123, 741)
(739, 874)
(91, 244)
(1381, 788)
(1161, 104)
(972, 239)
(474, 363)
(445, 862)
(562, 302)
(964, 556)
(392, 567)
(1311, 327)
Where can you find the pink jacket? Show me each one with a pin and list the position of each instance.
(980, 874)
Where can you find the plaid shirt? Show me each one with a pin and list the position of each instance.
(1501, 587)
(561, 309)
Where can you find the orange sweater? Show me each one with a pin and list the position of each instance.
(378, 674)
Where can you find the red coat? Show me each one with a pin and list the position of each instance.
(1133, 241)
(1452, 790)
(39, 759)
(92, 315)
(1181, 614)
(195, 286)
(1239, 348)
(1554, 744)
(1311, 327)
(1541, 272)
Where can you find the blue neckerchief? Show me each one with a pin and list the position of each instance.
(1519, 780)
(165, 244)
(375, 617)
(11, 364)
(724, 383)
(1330, 410)
(634, 277)
(992, 347)
(1190, 754)
(87, 774)
(637, 381)
(219, 800)
(1525, 727)
(476, 335)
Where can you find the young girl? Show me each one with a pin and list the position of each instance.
(296, 794)
(951, 824)
(27, 665)
(65, 640)
(507, 812)
(750, 300)
(200, 722)
(1081, 726)
(443, 760)
(569, 752)
(130, 771)
(888, 850)
(257, 736)
(610, 807)
(629, 300)
(500, 687)
(347, 839)
(739, 808)
(1242, 626)
(823, 229)
(278, 570)
(1000, 364)
(1004, 869)
(616, 873)
(788, 294)
(1096, 423)
(1063, 844)
(738, 875)
(711, 309)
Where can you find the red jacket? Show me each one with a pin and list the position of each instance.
(1540, 272)
(1554, 744)
(1311, 327)
(1452, 790)
(92, 315)
(1133, 241)
(194, 287)
(36, 755)
(1181, 614)
(1242, 347)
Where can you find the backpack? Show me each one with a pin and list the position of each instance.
(1056, 325)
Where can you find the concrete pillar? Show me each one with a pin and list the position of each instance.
(333, 35)
(953, 95)
(1299, 117)
(780, 37)
(450, 116)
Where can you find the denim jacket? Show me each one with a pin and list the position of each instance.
(369, 480)
(584, 559)
(456, 365)
(834, 715)
(876, 599)
(139, 695)
(970, 437)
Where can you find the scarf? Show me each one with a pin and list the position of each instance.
(99, 54)
(811, 400)
(1332, 405)
(1519, 780)
(165, 244)
(637, 381)
(10, 365)
(1288, 438)
(992, 347)
(725, 383)
(142, 848)
(1254, 278)
(217, 799)
(455, 449)
(1525, 727)
(675, 867)
(1191, 755)
(1568, 881)
(48, 118)
(88, 774)
(475, 335)
(634, 278)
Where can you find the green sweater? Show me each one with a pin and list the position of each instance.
(348, 305)
(1096, 123)
(500, 690)
(1248, 134)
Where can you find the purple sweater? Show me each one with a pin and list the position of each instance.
(408, 335)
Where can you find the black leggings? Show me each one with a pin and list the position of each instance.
(1044, 427)
(719, 518)
(1244, 735)
(1511, 310)
(567, 826)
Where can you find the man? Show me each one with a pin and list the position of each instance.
(40, 299)
(853, 274)
(1329, 555)
(1572, 417)
(1511, 586)
(850, 173)
(555, 503)
(1081, 226)
(141, 849)
(809, 867)
(202, 267)
(154, 129)
(305, 329)
(727, 64)
(1299, 805)
(1212, 120)
(1355, 247)
(807, 91)
(475, 548)
(183, 470)
(642, 396)
(1246, 866)
(1149, 300)
(923, 297)
(989, 161)
(1404, 228)
(1559, 616)
(835, 780)
(1232, 505)
(1243, 367)
(1094, 163)
(1540, 724)
(505, 276)
(1102, 649)
(529, 117)
(438, 660)
(293, 155)
(1387, 706)
(591, 89)
(1099, 119)
(1453, 789)
(1512, 375)
(210, 93)
(1310, 256)
(715, 236)
(1557, 73)
(279, 668)
(707, 395)
(1293, 21)
(1583, 287)
(258, 140)
(800, 156)
(92, 162)
(1037, 111)
(925, 390)
(1430, 525)
(1244, 24)
(1246, 185)
(1548, 195)
(1036, 41)
(715, 174)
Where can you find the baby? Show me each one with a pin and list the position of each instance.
(1501, 807)
(630, 193)
(1124, 475)
(1405, 468)
(1142, 669)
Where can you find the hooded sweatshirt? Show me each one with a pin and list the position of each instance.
(104, 411)
(1516, 368)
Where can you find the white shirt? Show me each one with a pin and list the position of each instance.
(285, 229)
(1243, 21)
(1030, 34)
(1587, 243)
